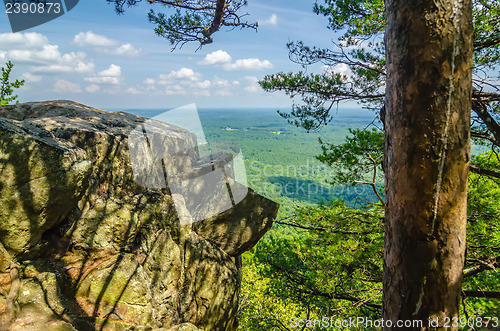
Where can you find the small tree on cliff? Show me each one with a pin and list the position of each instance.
(7, 87)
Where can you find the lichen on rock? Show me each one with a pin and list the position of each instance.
(83, 246)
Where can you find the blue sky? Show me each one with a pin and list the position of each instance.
(93, 56)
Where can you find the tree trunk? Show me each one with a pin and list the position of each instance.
(427, 121)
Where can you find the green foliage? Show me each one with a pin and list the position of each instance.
(483, 236)
(360, 48)
(174, 26)
(320, 92)
(191, 20)
(356, 157)
(353, 16)
(486, 33)
(334, 266)
(335, 258)
(259, 309)
(7, 87)
(332, 269)
(484, 207)
(280, 159)
(268, 300)
(294, 263)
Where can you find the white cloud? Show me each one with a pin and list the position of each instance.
(30, 78)
(133, 90)
(62, 85)
(3, 55)
(28, 40)
(70, 62)
(33, 49)
(148, 86)
(91, 39)
(187, 82)
(79, 67)
(223, 59)
(253, 86)
(47, 53)
(113, 71)
(202, 93)
(106, 45)
(217, 57)
(340, 68)
(178, 82)
(272, 20)
(103, 80)
(249, 64)
(204, 85)
(113, 90)
(93, 88)
(218, 82)
(223, 93)
(175, 90)
(125, 50)
(112, 76)
(181, 74)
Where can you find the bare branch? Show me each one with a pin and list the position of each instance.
(492, 264)
(482, 44)
(296, 225)
(299, 279)
(479, 107)
(341, 296)
(475, 169)
(219, 14)
(485, 96)
(182, 4)
(484, 136)
(482, 294)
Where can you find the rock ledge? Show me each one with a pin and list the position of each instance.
(84, 247)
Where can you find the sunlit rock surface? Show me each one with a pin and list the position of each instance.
(84, 247)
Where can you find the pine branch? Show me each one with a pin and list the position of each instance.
(480, 171)
(482, 294)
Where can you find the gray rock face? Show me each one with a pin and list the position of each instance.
(84, 247)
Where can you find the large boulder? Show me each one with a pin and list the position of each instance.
(84, 245)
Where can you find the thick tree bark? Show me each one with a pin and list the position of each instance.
(427, 121)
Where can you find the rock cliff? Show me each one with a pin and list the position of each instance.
(84, 247)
